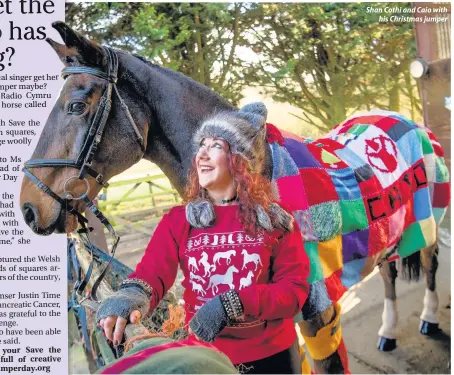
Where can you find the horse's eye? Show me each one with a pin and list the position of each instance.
(77, 108)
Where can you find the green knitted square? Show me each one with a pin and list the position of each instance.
(354, 216)
(326, 220)
(412, 240)
(441, 171)
(316, 272)
(357, 129)
(425, 142)
(438, 214)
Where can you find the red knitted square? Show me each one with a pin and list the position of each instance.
(362, 120)
(318, 185)
(376, 206)
(334, 286)
(441, 195)
(370, 187)
(409, 214)
(326, 156)
(378, 236)
(386, 123)
(436, 145)
(291, 193)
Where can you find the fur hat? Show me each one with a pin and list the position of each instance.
(245, 132)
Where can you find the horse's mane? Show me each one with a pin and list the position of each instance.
(180, 77)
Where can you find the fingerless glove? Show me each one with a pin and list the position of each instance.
(215, 314)
(134, 294)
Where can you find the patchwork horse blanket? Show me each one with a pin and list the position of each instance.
(375, 180)
(160, 355)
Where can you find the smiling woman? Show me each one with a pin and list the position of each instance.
(241, 254)
(212, 163)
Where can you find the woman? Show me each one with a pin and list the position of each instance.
(241, 254)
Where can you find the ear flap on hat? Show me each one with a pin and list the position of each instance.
(255, 113)
(200, 214)
(278, 218)
(263, 218)
(281, 219)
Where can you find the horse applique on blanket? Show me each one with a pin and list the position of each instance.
(374, 180)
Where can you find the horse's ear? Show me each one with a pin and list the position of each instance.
(77, 49)
(67, 55)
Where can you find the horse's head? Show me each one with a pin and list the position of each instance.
(66, 135)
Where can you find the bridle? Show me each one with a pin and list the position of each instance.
(83, 163)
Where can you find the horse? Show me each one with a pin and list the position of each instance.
(208, 268)
(153, 113)
(224, 255)
(226, 278)
(246, 281)
(250, 258)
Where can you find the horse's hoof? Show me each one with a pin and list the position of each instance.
(386, 345)
(426, 328)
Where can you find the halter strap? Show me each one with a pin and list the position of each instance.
(63, 202)
(70, 70)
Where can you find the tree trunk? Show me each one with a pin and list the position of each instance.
(394, 99)
(338, 112)
(198, 38)
(411, 95)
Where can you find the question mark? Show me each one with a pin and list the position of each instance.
(13, 51)
(2, 66)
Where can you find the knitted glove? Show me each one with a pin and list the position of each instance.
(122, 303)
(215, 314)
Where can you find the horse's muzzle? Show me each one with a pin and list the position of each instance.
(31, 217)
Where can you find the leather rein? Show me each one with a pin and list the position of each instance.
(83, 164)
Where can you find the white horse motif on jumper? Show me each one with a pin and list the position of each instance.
(195, 277)
(207, 266)
(197, 288)
(227, 279)
(192, 264)
(225, 255)
(248, 258)
(246, 281)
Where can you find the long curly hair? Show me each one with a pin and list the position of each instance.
(252, 189)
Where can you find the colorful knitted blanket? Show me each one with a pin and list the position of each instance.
(164, 356)
(375, 180)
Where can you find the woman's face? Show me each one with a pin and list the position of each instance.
(212, 161)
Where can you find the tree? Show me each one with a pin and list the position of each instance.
(196, 39)
(330, 59)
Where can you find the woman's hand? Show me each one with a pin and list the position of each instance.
(119, 323)
(214, 315)
(127, 304)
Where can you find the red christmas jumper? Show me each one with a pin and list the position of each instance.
(270, 277)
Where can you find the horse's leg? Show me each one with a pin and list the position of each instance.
(387, 331)
(429, 320)
(323, 336)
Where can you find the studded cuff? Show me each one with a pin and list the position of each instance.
(231, 302)
(139, 283)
